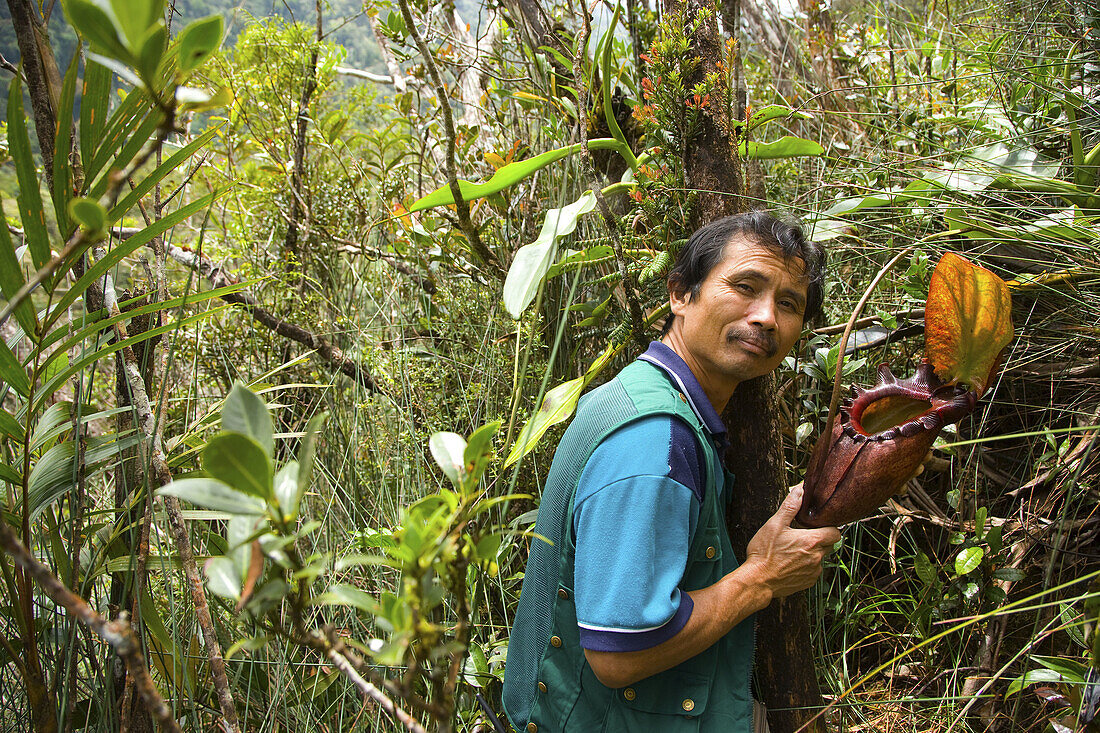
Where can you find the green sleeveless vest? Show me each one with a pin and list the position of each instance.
(548, 685)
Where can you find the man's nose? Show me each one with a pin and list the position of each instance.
(763, 314)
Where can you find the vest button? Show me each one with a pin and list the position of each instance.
(542, 687)
(555, 641)
(682, 398)
(563, 594)
(629, 693)
(711, 552)
(532, 728)
(688, 705)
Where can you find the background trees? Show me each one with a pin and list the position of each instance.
(300, 212)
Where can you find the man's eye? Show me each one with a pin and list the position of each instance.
(744, 287)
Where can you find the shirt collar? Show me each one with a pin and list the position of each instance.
(661, 355)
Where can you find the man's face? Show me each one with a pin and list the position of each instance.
(746, 317)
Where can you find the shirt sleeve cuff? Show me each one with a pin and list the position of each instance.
(608, 640)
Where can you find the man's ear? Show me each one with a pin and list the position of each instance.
(677, 297)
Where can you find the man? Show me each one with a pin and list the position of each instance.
(634, 613)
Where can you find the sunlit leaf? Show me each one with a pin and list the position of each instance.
(533, 260)
(342, 594)
(11, 280)
(286, 489)
(89, 214)
(31, 213)
(198, 41)
(239, 461)
(213, 494)
(787, 146)
(557, 406)
(246, 413)
(222, 577)
(448, 450)
(967, 322)
(968, 560)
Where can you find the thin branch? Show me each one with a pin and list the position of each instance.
(477, 247)
(329, 352)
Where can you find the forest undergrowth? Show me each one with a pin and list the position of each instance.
(288, 344)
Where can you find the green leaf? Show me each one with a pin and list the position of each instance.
(286, 490)
(11, 371)
(241, 462)
(9, 426)
(557, 406)
(244, 412)
(62, 168)
(97, 23)
(342, 594)
(773, 112)
(223, 578)
(152, 47)
(606, 86)
(357, 561)
(135, 17)
(53, 421)
(213, 494)
(533, 260)
(968, 560)
(89, 214)
(94, 101)
(55, 472)
(925, 570)
(448, 450)
(787, 146)
(479, 449)
(31, 212)
(11, 280)
(198, 41)
(1031, 677)
(9, 474)
(307, 451)
(506, 176)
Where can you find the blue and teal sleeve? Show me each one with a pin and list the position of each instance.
(636, 507)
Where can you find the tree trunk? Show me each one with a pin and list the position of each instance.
(785, 671)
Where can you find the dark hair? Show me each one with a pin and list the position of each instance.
(706, 249)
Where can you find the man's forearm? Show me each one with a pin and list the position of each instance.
(718, 608)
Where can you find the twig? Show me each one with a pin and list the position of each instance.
(116, 633)
(477, 247)
(328, 351)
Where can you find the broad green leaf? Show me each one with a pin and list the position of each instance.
(507, 176)
(9, 474)
(533, 260)
(557, 406)
(926, 571)
(245, 412)
(598, 253)
(31, 212)
(240, 462)
(787, 146)
(213, 494)
(9, 426)
(135, 17)
(222, 577)
(342, 594)
(1031, 677)
(479, 449)
(967, 322)
(11, 371)
(448, 450)
(286, 490)
(94, 100)
(968, 560)
(150, 52)
(97, 23)
(773, 112)
(89, 214)
(11, 280)
(198, 41)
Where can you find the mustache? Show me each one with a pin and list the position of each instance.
(757, 337)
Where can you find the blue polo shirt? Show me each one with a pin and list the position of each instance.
(635, 512)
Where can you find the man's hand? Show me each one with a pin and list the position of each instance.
(785, 559)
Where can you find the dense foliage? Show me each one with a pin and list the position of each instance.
(296, 306)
